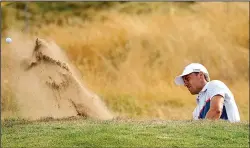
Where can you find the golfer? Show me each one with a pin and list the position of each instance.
(214, 99)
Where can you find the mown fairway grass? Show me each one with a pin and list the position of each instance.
(123, 133)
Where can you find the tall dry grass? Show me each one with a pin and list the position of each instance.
(131, 59)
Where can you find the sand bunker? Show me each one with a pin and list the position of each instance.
(46, 84)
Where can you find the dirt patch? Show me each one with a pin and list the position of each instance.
(45, 83)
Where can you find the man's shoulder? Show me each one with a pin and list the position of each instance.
(216, 84)
(218, 87)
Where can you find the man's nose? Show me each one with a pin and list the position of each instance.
(185, 83)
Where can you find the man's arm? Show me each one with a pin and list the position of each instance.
(216, 106)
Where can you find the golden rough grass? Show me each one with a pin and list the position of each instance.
(131, 60)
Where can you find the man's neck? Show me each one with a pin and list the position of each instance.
(204, 83)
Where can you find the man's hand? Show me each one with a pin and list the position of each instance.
(216, 106)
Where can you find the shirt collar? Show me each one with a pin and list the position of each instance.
(204, 88)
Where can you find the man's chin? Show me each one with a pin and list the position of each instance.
(192, 93)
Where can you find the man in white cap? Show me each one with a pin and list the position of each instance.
(214, 99)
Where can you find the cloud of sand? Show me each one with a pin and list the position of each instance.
(46, 84)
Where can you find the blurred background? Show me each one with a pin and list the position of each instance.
(130, 52)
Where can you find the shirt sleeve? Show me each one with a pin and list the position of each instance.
(216, 89)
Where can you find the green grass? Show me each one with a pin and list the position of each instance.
(123, 133)
(85, 11)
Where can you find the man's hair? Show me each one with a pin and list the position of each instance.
(205, 75)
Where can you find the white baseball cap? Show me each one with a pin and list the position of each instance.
(193, 67)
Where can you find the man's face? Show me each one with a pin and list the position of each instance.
(193, 82)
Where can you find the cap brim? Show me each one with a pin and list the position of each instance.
(179, 80)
